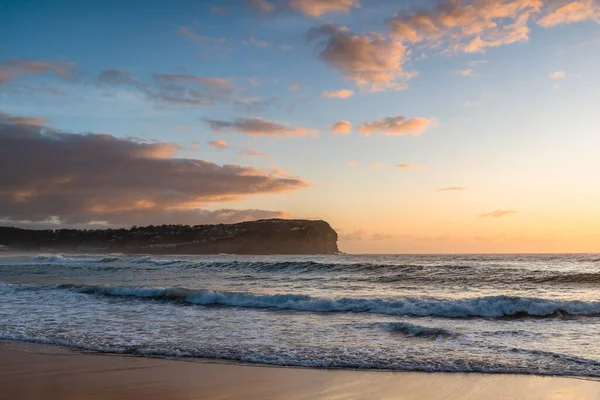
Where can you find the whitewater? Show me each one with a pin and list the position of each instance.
(529, 314)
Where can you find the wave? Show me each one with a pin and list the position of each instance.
(489, 306)
(155, 261)
(60, 259)
(577, 366)
(413, 330)
(586, 277)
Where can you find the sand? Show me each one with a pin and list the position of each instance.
(33, 371)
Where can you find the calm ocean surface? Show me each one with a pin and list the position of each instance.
(534, 314)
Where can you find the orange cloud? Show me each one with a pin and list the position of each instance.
(219, 144)
(342, 128)
(498, 213)
(337, 94)
(373, 62)
(467, 26)
(363, 235)
(257, 126)
(452, 189)
(466, 72)
(352, 163)
(316, 8)
(557, 75)
(575, 11)
(409, 166)
(395, 126)
(10, 119)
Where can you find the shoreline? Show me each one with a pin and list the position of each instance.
(74, 350)
(39, 371)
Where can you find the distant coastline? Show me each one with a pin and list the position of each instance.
(270, 236)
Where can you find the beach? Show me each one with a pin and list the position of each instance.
(33, 371)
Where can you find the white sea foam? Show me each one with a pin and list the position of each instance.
(489, 306)
(61, 259)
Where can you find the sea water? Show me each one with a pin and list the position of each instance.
(532, 314)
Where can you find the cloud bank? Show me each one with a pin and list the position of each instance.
(86, 177)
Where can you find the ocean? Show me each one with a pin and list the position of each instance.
(526, 314)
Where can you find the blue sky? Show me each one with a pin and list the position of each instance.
(500, 97)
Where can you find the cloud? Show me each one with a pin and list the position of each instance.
(296, 86)
(373, 62)
(253, 153)
(113, 76)
(79, 178)
(317, 8)
(362, 235)
(342, 128)
(12, 69)
(187, 32)
(557, 75)
(352, 163)
(189, 90)
(472, 26)
(7, 119)
(409, 166)
(381, 236)
(174, 89)
(258, 43)
(395, 126)
(472, 103)
(255, 104)
(498, 213)
(30, 89)
(257, 126)
(452, 189)
(219, 144)
(262, 5)
(337, 94)
(574, 11)
(466, 72)
(142, 218)
(467, 26)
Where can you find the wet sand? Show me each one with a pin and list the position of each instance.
(33, 371)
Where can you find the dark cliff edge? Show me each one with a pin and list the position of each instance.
(270, 236)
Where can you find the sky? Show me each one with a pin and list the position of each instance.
(448, 126)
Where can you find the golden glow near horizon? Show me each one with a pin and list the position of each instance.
(451, 127)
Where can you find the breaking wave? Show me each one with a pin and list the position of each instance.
(489, 306)
(60, 259)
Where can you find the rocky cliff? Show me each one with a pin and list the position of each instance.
(272, 236)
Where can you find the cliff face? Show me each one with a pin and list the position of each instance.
(273, 236)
